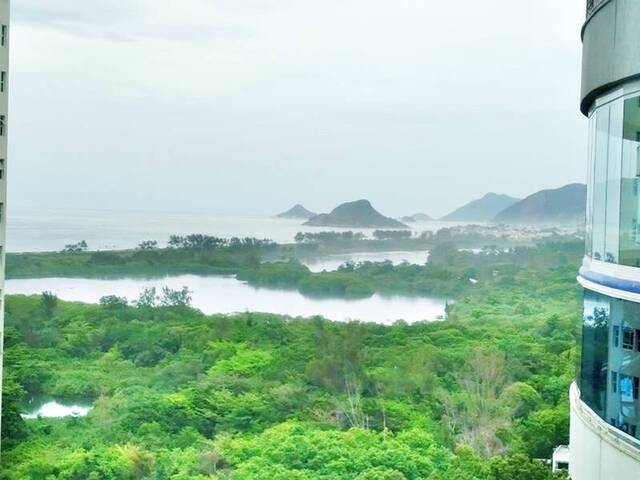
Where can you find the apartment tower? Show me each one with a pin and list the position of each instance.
(4, 103)
(605, 404)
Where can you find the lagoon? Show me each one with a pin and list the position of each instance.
(227, 295)
(331, 263)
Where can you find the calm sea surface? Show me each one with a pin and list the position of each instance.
(228, 295)
(42, 229)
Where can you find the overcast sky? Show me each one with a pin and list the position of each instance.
(249, 106)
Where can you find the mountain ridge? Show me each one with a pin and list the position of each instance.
(481, 209)
(566, 204)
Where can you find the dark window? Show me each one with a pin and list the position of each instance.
(562, 466)
(628, 338)
(3, 125)
(636, 387)
(596, 339)
(616, 336)
(3, 35)
(3, 81)
(614, 382)
(1, 168)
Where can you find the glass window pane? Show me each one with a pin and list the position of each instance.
(590, 177)
(595, 351)
(614, 165)
(610, 374)
(630, 184)
(600, 183)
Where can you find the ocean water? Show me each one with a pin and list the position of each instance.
(49, 229)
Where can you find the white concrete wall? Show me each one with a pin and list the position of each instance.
(599, 451)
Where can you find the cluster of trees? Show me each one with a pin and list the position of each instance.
(329, 237)
(181, 395)
(150, 297)
(392, 234)
(148, 245)
(209, 242)
(197, 254)
(76, 247)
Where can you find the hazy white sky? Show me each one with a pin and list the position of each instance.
(249, 106)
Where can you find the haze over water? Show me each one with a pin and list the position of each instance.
(43, 229)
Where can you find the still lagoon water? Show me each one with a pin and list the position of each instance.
(227, 295)
(330, 263)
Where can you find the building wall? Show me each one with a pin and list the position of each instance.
(611, 54)
(598, 451)
(605, 405)
(4, 104)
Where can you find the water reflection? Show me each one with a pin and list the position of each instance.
(215, 294)
(53, 409)
(330, 263)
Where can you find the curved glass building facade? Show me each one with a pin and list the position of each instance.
(610, 364)
(605, 401)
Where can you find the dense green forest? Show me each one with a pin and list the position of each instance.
(181, 395)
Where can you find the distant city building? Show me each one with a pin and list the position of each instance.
(4, 103)
(605, 404)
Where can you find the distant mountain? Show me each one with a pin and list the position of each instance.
(358, 214)
(418, 217)
(565, 205)
(297, 211)
(481, 210)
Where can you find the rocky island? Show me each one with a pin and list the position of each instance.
(418, 217)
(297, 212)
(358, 214)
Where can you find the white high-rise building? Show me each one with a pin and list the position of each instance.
(4, 104)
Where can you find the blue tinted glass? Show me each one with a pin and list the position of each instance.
(630, 185)
(610, 369)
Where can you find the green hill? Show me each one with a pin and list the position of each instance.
(358, 214)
